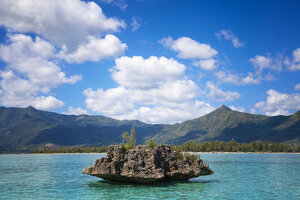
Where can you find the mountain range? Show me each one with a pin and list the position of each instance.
(24, 128)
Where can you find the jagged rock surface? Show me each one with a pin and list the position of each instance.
(145, 165)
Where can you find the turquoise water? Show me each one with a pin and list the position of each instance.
(237, 176)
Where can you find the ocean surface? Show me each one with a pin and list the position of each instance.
(237, 176)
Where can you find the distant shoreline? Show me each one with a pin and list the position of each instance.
(182, 152)
(245, 152)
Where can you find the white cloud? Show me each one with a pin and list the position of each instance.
(135, 25)
(137, 72)
(75, 111)
(164, 114)
(153, 90)
(228, 35)
(238, 79)
(47, 103)
(264, 67)
(295, 64)
(219, 95)
(273, 63)
(279, 103)
(261, 62)
(74, 30)
(207, 64)
(295, 67)
(296, 55)
(22, 93)
(148, 106)
(227, 77)
(31, 59)
(240, 109)
(118, 3)
(96, 49)
(251, 79)
(145, 104)
(30, 72)
(278, 112)
(63, 22)
(188, 48)
(166, 93)
(297, 86)
(112, 102)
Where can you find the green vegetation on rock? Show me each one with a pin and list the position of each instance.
(151, 144)
(129, 141)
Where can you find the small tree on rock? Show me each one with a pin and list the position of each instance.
(151, 144)
(129, 142)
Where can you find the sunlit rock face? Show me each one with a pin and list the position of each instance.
(144, 165)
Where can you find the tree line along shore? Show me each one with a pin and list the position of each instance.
(129, 142)
(190, 146)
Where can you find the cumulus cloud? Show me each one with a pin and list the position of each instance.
(264, 67)
(46, 103)
(297, 86)
(148, 106)
(137, 72)
(95, 50)
(164, 114)
(251, 79)
(207, 64)
(31, 59)
(275, 63)
(279, 103)
(111, 102)
(219, 95)
(188, 48)
(295, 67)
(63, 22)
(29, 72)
(76, 27)
(153, 90)
(74, 30)
(228, 35)
(261, 62)
(75, 111)
(19, 92)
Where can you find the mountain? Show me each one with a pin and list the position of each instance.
(23, 128)
(224, 124)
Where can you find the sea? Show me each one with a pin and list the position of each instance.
(237, 176)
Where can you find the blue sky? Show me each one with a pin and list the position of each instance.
(156, 61)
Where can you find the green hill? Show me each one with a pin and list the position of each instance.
(23, 128)
(224, 124)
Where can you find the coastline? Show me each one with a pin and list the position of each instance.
(213, 152)
(182, 152)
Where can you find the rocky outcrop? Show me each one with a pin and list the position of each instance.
(145, 165)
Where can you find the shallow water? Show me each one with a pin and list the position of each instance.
(237, 176)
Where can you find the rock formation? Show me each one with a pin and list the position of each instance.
(144, 165)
